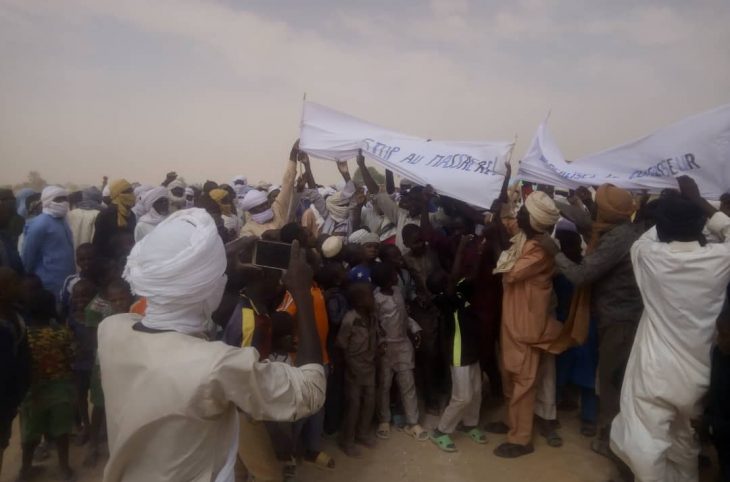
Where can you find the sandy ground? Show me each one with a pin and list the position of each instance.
(402, 459)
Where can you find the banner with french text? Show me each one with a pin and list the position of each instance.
(698, 146)
(472, 172)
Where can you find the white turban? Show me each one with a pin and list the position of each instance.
(252, 199)
(543, 212)
(363, 236)
(50, 207)
(50, 193)
(239, 180)
(149, 198)
(180, 268)
(331, 246)
(175, 184)
(106, 192)
(273, 188)
(138, 209)
(189, 191)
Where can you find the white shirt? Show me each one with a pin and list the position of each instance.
(683, 287)
(172, 399)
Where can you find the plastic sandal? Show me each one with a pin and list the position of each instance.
(323, 461)
(417, 432)
(476, 435)
(443, 442)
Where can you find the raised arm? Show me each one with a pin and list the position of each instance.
(389, 182)
(281, 204)
(308, 176)
(456, 267)
(372, 186)
(344, 170)
(298, 280)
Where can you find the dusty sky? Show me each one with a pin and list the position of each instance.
(212, 89)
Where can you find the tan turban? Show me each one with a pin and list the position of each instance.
(543, 212)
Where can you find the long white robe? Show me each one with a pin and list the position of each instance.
(683, 287)
(172, 400)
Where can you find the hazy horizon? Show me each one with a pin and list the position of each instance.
(214, 89)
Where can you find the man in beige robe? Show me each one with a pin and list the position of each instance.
(528, 325)
(172, 396)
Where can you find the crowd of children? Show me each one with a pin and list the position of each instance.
(415, 298)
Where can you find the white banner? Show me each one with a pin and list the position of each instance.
(472, 172)
(698, 146)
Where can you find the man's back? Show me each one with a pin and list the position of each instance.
(162, 426)
(683, 287)
(171, 400)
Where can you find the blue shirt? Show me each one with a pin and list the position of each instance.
(48, 251)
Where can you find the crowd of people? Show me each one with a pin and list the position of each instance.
(137, 315)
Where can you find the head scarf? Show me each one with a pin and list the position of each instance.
(613, 206)
(363, 236)
(149, 198)
(218, 195)
(566, 225)
(176, 202)
(50, 207)
(338, 204)
(543, 212)
(240, 186)
(241, 180)
(189, 191)
(22, 195)
(543, 215)
(123, 201)
(332, 246)
(180, 269)
(90, 199)
(252, 199)
(140, 191)
(273, 188)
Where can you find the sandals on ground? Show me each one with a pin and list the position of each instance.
(443, 442)
(417, 432)
(475, 434)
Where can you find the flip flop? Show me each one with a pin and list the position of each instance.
(475, 434)
(322, 461)
(443, 442)
(417, 432)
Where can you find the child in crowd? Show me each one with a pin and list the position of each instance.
(577, 365)
(115, 298)
(48, 409)
(284, 435)
(389, 253)
(85, 256)
(331, 277)
(358, 338)
(462, 337)
(423, 261)
(397, 359)
(81, 295)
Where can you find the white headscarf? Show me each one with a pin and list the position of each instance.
(180, 268)
(138, 209)
(252, 199)
(50, 207)
(338, 204)
(363, 236)
(149, 198)
(189, 192)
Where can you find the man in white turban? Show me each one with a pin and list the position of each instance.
(263, 215)
(173, 397)
(177, 194)
(528, 323)
(154, 208)
(48, 249)
(338, 222)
